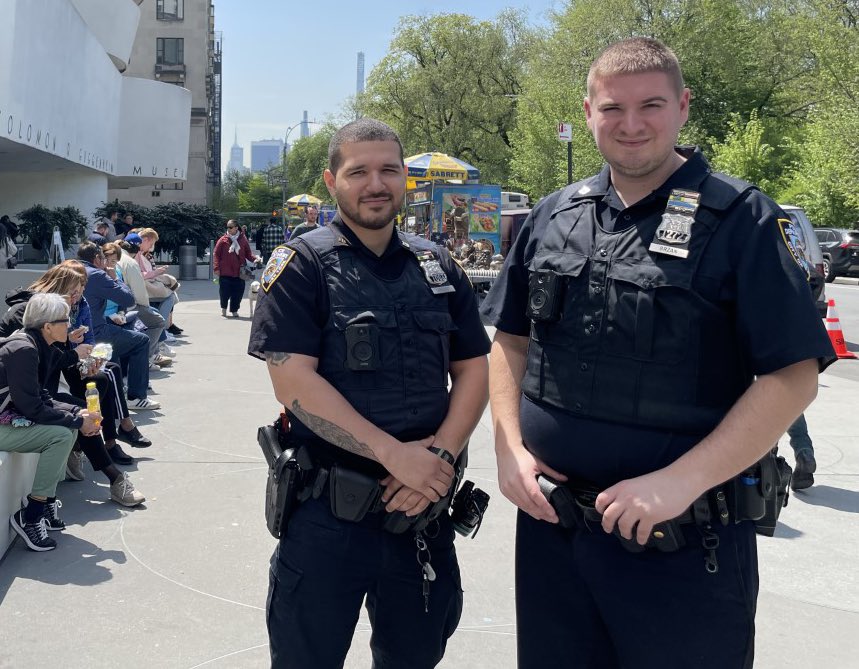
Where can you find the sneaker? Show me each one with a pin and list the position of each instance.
(234, 314)
(133, 437)
(166, 351)
(175, 330)
(75, 466)
(143, 404)
(119, 456)
(168, 338)
(35, 535)
(803, 474)
(161, 361)
(51, 515)
(224, 313)
(122, 492)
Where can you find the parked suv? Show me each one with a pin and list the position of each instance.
(840, 250)
(812, 252)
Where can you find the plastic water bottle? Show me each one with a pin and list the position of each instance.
(92, 403)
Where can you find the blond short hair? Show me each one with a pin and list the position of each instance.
(149, 233)
(636, 55)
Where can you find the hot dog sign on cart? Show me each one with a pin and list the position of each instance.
(471, 211)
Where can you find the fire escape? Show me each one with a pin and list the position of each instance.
(213, 92)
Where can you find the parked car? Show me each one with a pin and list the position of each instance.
(840, 250)
(813, 254)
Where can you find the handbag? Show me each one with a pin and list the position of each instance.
(168, 280)
(246, 274)
(157, 290)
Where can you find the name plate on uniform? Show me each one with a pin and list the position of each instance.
(675, 229)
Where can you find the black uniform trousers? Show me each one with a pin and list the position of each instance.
(324, 568)
(583, 601)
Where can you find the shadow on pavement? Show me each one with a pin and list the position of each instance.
(833, 498)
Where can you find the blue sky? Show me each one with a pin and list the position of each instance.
(282, 57)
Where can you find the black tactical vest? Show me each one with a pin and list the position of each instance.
(398, 332)
(635, 343)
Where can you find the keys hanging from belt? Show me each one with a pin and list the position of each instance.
(427, 572)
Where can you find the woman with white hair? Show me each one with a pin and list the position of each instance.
(31, 422)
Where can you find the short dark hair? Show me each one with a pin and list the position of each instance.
(362, 130)
(88, 252)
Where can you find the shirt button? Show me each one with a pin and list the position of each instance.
(603, 253)
(626, 217)
(584, 367)
(590, 329)
(597, 290)
(578, 406)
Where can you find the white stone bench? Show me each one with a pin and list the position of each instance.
(16, 480)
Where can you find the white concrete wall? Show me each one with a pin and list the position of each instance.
(59, 90)
(152, 109)
(113, 23)
(16, 480)
(82, 189)
(70, 124)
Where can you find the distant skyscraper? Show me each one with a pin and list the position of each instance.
(305, 126)
(265, 153)
(237, 156)
(359, 88)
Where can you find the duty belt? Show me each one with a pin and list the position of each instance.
(574, 502)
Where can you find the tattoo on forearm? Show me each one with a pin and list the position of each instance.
(276, 358)
(332, 433)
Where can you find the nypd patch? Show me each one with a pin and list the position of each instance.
(796, 244)
(280, 258)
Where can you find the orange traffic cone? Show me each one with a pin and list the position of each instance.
(836, 336)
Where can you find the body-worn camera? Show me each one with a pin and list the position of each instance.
(362, 347)
(466, 512)
(544, 295)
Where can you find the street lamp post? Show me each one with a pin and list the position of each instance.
(283, 168)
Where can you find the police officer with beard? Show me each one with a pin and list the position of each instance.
(360, 326)
(655, 338)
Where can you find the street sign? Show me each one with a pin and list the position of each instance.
(565, 132)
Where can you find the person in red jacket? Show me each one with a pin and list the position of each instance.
(232, 251)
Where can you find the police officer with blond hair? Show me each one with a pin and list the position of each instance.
(655, 337)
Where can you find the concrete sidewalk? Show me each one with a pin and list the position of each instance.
(182, 582)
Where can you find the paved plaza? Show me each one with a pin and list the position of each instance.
(181, 582)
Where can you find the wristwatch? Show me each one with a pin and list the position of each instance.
(447, 456)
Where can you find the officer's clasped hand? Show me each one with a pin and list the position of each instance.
(636, 505)
(419, 469)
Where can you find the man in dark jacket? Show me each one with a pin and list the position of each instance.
(130, 348)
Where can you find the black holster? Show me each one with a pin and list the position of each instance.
(284, 479)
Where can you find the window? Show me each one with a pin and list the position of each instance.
(170, 10)
(174, 186)
(170, 51)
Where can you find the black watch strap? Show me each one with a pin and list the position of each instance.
(443, 454)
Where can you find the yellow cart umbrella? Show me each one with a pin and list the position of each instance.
(434, 166)
(303, 200)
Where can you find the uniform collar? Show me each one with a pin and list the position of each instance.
(345, 237)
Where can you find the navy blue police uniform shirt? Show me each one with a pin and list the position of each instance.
(290, 316)
(748, 270)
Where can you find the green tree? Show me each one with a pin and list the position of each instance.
(449, 84)
(745, 154)
(260, 195)
(306, 161)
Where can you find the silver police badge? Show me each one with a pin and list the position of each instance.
(434, 273)
(675, 229)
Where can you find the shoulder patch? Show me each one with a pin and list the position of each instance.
(796, 244)
(280, 258)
